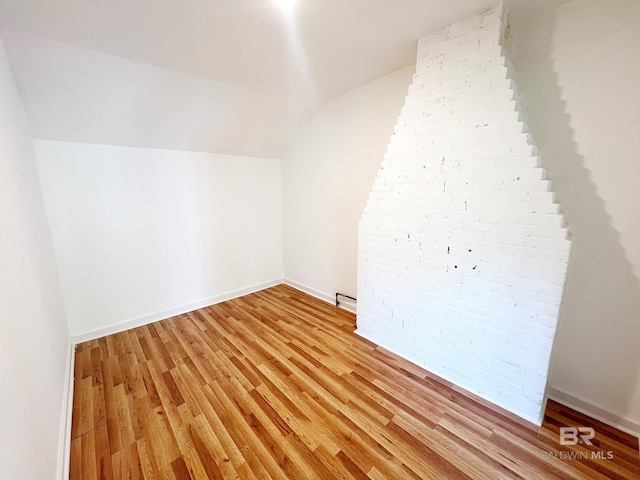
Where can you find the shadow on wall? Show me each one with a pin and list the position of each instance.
(596, 354)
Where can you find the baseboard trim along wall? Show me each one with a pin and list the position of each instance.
(157, 316)
(319, 295)
(64, 441)
(625, 425)
(599, 413)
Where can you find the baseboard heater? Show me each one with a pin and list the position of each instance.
(342, 295)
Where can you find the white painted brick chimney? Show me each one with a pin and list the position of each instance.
(462, 253)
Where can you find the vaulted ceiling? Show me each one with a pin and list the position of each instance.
(232, 76)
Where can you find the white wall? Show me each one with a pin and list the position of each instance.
(326, 176)
(77, 95)
(33, 330)
(579, 69)
(141, 234)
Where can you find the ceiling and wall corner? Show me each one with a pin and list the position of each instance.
(229, 77)
(73, 94)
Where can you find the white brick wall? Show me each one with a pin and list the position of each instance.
(462, 252)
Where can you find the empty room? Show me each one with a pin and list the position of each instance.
(317, 239)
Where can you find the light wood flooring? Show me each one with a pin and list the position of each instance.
(276, 385)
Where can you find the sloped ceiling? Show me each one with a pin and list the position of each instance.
(228, 76)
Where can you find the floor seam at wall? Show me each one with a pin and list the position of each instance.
(317, 294)
(628, 426)
(537, 422)
(179, 310)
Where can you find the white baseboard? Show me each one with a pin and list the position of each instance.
(583, 406)
(64, 440)
(157, 316)
(319, 295)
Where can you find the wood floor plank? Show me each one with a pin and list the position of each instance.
(126, 463)
(93, 455)
(277, 385)
(244, 433)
